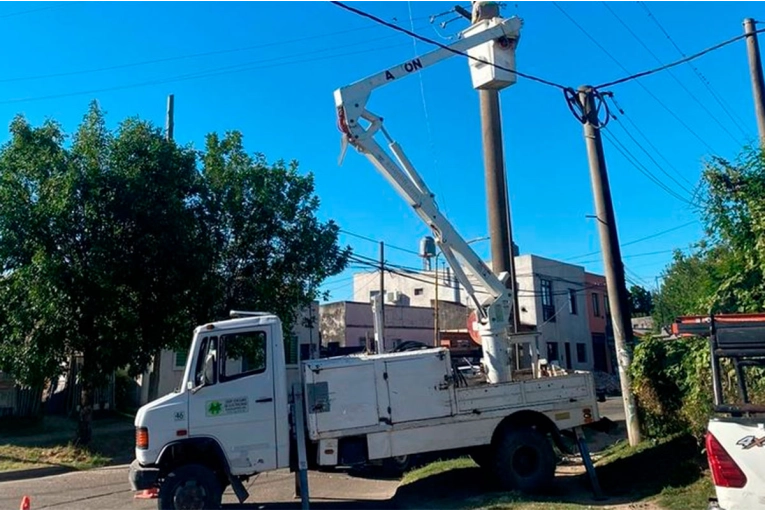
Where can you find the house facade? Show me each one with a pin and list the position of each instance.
(351, 323)
(551, 297)
(599, 317)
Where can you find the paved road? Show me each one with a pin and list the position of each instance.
(108, 488)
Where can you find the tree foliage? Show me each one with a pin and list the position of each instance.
(272, 253)
(641, 301)
(723, 273)
(114, 244)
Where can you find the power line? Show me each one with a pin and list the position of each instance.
(682, 85)
(359, 236)
(430, 280)
(443, 46)
(654, 96)
(632, 256)
(237, 68)
(641, 168)
(723, 104)
(640, 240)
(640, 281)
(30, 11)
(676, 62)
(648, 140)
(191, 56)
(653, 160)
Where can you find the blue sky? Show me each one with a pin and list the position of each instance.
(269, 70)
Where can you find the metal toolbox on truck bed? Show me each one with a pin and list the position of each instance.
(370, 392)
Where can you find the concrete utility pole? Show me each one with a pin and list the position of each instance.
(437, 328)
(755, 70)
(612, 258)
(170, 117)
(494, 170)
(382, 298)
(156, 370)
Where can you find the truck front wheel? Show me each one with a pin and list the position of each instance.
(191, 487)
(524, 460)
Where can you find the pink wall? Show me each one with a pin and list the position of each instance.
(596, 284)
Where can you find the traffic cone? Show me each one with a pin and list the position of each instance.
(147, 494)
(26, 503)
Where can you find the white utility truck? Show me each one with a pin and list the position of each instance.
(237, 415)
(735, 440)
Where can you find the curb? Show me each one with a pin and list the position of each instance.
(26, 474)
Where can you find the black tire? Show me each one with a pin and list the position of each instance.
(397, 466)
(191, 487)
(524, 460)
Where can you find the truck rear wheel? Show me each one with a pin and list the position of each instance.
(397, 466)
(524, 460)
(191, 487)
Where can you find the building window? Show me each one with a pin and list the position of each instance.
(548, 307)
(180, 358)
(581, 353)
(605, 305)
(595, 304)
(552, 352)
(373, 293)
(418, 291)
(572, 301)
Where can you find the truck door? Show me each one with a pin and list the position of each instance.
(236, 404)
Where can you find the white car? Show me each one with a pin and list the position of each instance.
(736, 454)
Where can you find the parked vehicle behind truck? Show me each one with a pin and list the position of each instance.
(735, 438)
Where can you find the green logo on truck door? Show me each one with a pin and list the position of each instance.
(213, 408)
(236, 405)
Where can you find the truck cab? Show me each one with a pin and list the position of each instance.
(232, 406)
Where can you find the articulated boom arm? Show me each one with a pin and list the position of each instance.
(494, 308)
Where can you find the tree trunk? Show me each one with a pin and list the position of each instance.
(154, 376)
(84, 423)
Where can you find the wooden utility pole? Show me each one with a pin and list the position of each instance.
(156, 369)
(382, 298)
(500, 229)
(612, 258)
(755, 70)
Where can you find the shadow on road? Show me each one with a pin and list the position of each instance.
(318, 504)
(626, 475)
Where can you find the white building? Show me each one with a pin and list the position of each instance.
(551, 297)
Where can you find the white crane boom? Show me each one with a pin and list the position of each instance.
(494, 309)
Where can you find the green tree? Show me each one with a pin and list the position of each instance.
(726, 271)
(688, 286)
(116, 246)
(272, 251)
(641, 301)
(735, 221)
(100, 247)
